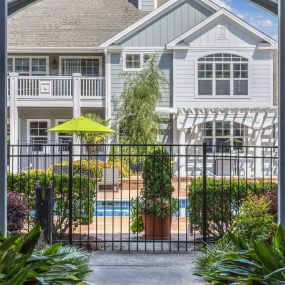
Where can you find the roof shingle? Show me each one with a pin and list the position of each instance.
(71, 23)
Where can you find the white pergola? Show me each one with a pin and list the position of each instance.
(14, 5)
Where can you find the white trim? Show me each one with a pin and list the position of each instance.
(30, 57)
(220, 13)
(174, 86)
(143, 49)
(81, 57)
(149, 17)
(272, 80)
(29, 50)
(132, 69)
(139, 4)
(108, 95)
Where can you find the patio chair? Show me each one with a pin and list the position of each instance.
(110, 180)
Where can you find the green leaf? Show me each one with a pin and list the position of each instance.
(52, 249)
(238, 242)
(31, 240)
(266, 255)
(279, 240)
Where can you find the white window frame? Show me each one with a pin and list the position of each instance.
(214, 137)
(81, 57)
(232, 79)
(125, 61)
(29, 131)
(13, 57)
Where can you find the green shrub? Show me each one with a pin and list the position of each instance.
(254, 222)
(156, 197)
(224, 198)
(22, 264)
(84, 194)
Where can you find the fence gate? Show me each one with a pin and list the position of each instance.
(141, 197)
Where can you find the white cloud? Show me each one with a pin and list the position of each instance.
(266, 23)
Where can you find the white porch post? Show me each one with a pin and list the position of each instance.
(14, 121)
(76, 107)
(182, 161)
(258, 152)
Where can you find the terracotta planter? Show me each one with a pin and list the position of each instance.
(157, 228)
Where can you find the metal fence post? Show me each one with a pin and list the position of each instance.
(70, 193)
(44, 209)
(205, 222)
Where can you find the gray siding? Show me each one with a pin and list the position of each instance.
(169, 26)
(164, 61)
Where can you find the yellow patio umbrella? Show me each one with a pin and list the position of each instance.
(81, 125)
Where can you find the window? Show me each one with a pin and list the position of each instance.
(38, 134)
(222, 75)
(223, 135)
(84, 66)
(133, 61)
(28, 65)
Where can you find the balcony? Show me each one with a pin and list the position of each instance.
(27, 89)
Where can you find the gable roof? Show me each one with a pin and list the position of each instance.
(156, 13)
(222, 13)
(71, 23)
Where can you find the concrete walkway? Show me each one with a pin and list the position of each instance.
(142, 269)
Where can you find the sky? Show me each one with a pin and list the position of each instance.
(259, 18)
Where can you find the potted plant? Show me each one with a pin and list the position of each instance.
(156, 198)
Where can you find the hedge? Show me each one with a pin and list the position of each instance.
(224, 198)
(84, 194)
(93, 168)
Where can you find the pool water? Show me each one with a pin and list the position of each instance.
(122, 209)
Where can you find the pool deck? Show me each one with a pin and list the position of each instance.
(143, 269)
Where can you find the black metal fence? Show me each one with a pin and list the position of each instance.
(113, 197)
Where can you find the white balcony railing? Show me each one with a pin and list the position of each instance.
(56, 86)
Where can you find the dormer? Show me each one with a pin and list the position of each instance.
(147, 5)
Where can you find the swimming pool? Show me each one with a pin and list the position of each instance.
(110, 208)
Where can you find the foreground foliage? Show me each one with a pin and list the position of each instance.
(252, 264)
(21, 264)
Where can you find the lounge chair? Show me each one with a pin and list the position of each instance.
(110, 180)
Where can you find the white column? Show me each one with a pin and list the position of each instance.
(182, 150)
(76, 94)
(14, 121)
(258, 152)
(181, 161)
(76, 108)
